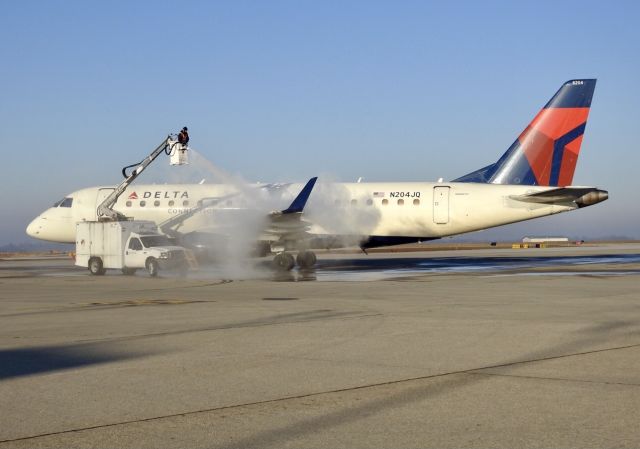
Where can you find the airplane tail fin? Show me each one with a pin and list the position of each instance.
(546, 152)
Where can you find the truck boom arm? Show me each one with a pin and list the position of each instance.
(105, 210)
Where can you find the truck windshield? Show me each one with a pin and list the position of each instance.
(155, 240)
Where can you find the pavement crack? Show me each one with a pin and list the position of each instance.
(319, 393)
(559, 379)
(274, 322)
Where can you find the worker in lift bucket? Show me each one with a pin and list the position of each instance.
(183, 137)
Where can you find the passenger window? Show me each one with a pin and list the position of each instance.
(354, 202)
(156, 203)
(135, 244)
(171, 203)
(128, 203)
(385, 202)
(369, 202)
(143, 203)
(400, 202)
(185, 203)
(416, 202)
(67, 202)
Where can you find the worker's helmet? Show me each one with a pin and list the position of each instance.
(185, 129)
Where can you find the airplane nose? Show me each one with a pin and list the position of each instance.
(34, 228)
(51, 228)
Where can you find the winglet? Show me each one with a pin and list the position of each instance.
(301, 200)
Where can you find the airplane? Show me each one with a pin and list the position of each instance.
(531, 179)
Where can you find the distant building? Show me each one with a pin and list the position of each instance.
(545, 239)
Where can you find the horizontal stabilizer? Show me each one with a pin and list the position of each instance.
(582, 196)
(301, 200)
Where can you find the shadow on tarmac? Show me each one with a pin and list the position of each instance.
(438, 384)
(38, 360)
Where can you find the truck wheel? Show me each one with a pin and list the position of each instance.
(152, 267)
(95, 266)
(128, 271)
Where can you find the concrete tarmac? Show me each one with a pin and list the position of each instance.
(526, 353)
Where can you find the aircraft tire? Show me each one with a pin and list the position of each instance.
(283, 262)
(306, 259)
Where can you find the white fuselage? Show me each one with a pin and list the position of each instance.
(405, 209)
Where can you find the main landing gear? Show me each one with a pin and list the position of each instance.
(285, 261)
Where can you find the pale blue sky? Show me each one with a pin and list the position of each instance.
(285, 90)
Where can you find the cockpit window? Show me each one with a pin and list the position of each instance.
(64, 202)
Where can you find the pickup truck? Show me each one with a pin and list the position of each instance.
(126, 245)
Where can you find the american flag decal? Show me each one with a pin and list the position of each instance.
(378, 194)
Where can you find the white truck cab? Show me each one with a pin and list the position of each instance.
(126, 245)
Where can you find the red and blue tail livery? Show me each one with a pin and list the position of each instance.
(546, 152)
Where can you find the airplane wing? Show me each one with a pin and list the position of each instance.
(170, 227)
(581, 196)
(281, 228)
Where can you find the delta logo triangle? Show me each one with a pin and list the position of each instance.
(133, 196)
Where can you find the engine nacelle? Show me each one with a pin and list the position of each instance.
(591, 198)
